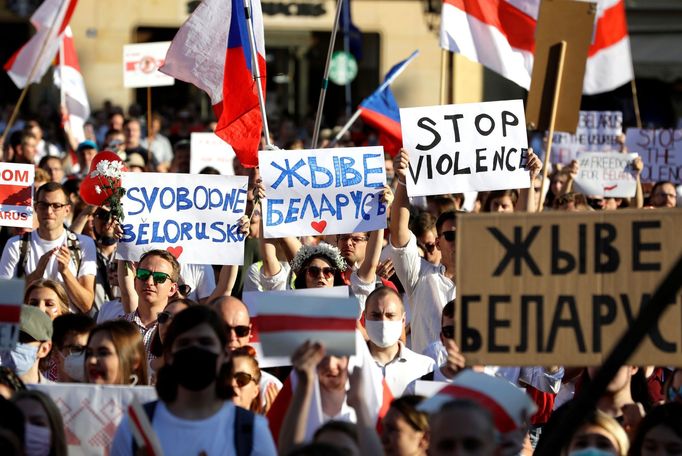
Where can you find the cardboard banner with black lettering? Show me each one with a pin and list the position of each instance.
(661, 152)
(598, 131)
(16, 195)
(196, 218)
(91, 413)
(607, 174)
(561, 288)
(465, 147)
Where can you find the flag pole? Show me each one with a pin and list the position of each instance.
(150, 130)
(256, 73)
(62, 95)
(346, 48)
(635, 101)
(32, 73)
(552, 121)
(382, 87)
(325, 77)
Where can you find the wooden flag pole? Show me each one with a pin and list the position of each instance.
(256, 73)
(560, 48)
(325, 77)
(635, 102)
(443, 76)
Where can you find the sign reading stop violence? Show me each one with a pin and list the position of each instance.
(562, 288)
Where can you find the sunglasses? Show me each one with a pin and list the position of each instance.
(159, 277)
(42, 205)
(449, 235)
(429, 247)
(240, 331)
(314, 271)
(184, 289)
(164, 317)
(448, 332)
(104, 216)
(243, 379)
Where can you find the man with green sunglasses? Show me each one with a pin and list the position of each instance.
(156, 280)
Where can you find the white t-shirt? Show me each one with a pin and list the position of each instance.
(210, 436)
(200, 277)
(111, 310)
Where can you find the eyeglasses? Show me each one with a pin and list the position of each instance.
(428, 246)
(73, 349)
(314, 271)
(448, 332)
(43, 205)
(240, 331)
(158, 276)
(674, 393)
(164, 317)
(449, 235)
(353, 239)
(243, 378)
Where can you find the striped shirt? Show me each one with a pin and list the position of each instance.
(147, 332)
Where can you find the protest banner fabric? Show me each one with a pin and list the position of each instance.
(287, 321)
(16, 195)
(661, 152)
(91, 413)
(250, 299)
(608, 174)
(141, 63)
(194, 219)
(465, 147)
(322, 191)
(207, 149)
(598, 131)
(12, 292)
(561, 288)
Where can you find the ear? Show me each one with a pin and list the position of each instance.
(44, 349)
(424, 441)
(173, 289)
(437, 242)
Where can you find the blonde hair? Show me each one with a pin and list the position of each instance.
(610, 425)
(57, 287)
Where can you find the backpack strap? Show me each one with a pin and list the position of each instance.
(428, 377)
(149, 409)
(23, 255)
(243, 431)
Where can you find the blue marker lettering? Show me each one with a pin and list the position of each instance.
(132, 196)
(314, 169)
(368, 171)
(272, 211)
(346, 170)
(289, 173)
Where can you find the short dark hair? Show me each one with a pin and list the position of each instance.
(70, 323)
(513, 194)
(50, 187)
(446, 216)
(423, 222)
(449, 309)
(407, 406)
(345, 427)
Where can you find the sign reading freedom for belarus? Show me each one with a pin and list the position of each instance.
(608, 174)
(196, 219)
(661, 152)
(562, 288)
(598, 131)
(322, 191)
(16, 195)
(465, 147)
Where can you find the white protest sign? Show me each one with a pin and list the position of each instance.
(428, 388)
(12, 292)
(465, 147)
(597, 131)
(285, 321)
(207, 149)
(323, 191)
(607, 174)
(91, 413)
(249, 298)
(661, 152)
(141, 64)
(193, 217)
(16, 195)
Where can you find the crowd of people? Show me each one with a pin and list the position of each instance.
(183, 328)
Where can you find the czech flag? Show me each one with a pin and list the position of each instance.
(381, 111)
(217, 59)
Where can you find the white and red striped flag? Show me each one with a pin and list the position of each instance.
(500, 34)
(50, 21)
(67, 76)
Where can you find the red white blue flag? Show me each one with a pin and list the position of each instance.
(218, 59)
(381, 111)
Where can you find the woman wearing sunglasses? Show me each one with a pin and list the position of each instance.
(164, 318)
(245, 379)
(115, 355)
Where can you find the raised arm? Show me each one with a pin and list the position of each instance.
(226, 280)
(526, 201)
(368, 268)
(400, 210)
(126, 282)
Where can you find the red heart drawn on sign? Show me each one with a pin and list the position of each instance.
(610, 188)
(319, 226)
(175, 251)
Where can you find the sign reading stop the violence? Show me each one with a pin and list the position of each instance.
(661, 152)
(465, 147)
(562, 288)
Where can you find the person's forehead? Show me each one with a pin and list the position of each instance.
(318, 262)
(157, 264)
(234, 313)
(242, 364)
(386, 303)
(57, 195)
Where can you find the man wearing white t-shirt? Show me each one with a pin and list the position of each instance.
(53, 252)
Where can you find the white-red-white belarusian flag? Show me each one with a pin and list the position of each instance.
(67, 76)
(50, 21)
(500, 34)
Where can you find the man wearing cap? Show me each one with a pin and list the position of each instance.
(86, 151)
(35, 343)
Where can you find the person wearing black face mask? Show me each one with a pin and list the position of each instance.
(194, 414)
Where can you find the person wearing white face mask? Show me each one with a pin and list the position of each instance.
(35, 343)
(384, 322)
(44, 428)
(69, 341)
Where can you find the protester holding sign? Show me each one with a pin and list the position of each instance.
(663, 194)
